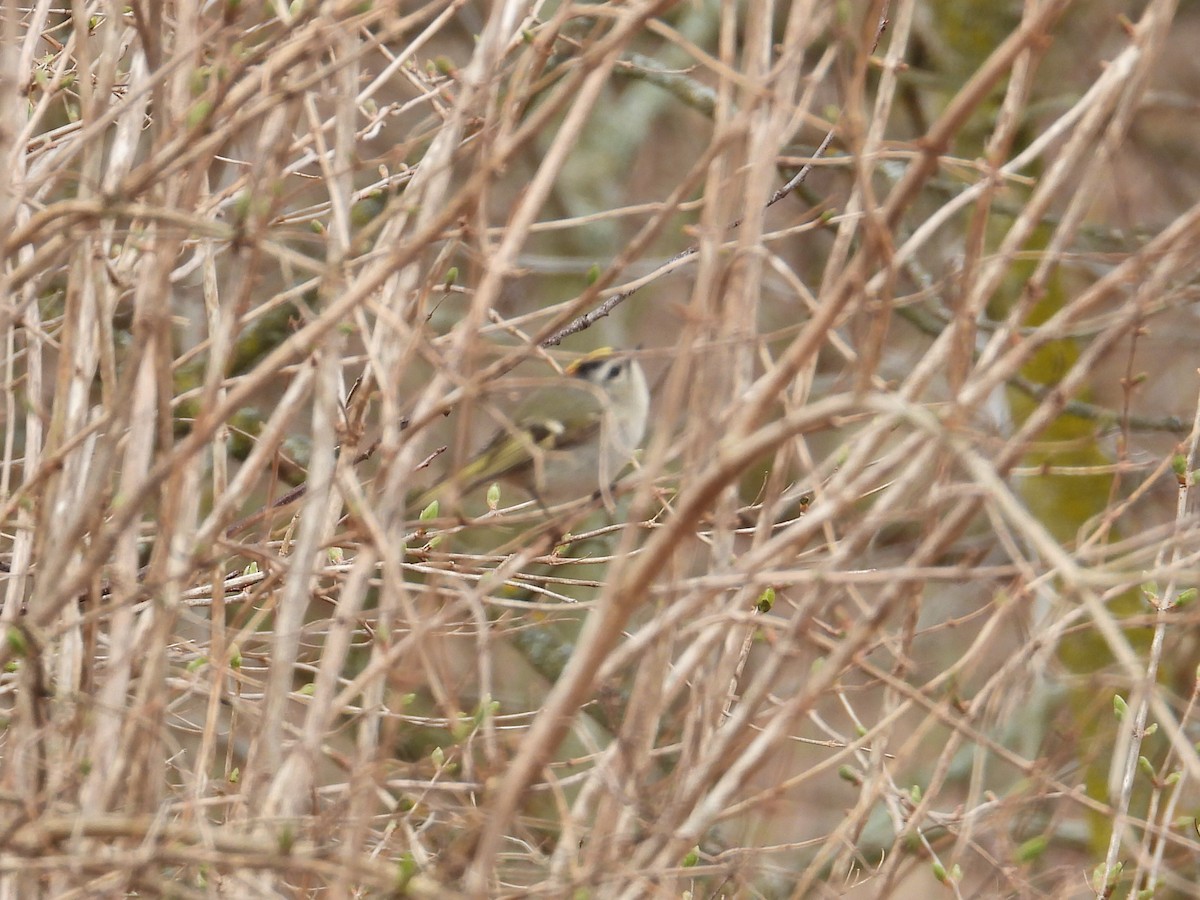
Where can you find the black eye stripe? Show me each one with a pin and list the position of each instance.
(614, 367)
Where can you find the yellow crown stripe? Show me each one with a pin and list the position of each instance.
(598, 353)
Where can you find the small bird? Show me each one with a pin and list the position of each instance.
(566, 439)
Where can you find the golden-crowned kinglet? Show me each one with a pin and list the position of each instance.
(567, 438)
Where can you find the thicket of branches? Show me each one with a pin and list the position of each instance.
(899, 590)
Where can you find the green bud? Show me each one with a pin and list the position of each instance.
(766, 600)
(198, 80)
(1120, 707)
(1105, 879)
(462, 727)
(1180, 467)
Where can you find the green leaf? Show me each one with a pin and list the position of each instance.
(198, 112)
(406, 869)
(16, 641)
(1032, 849)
